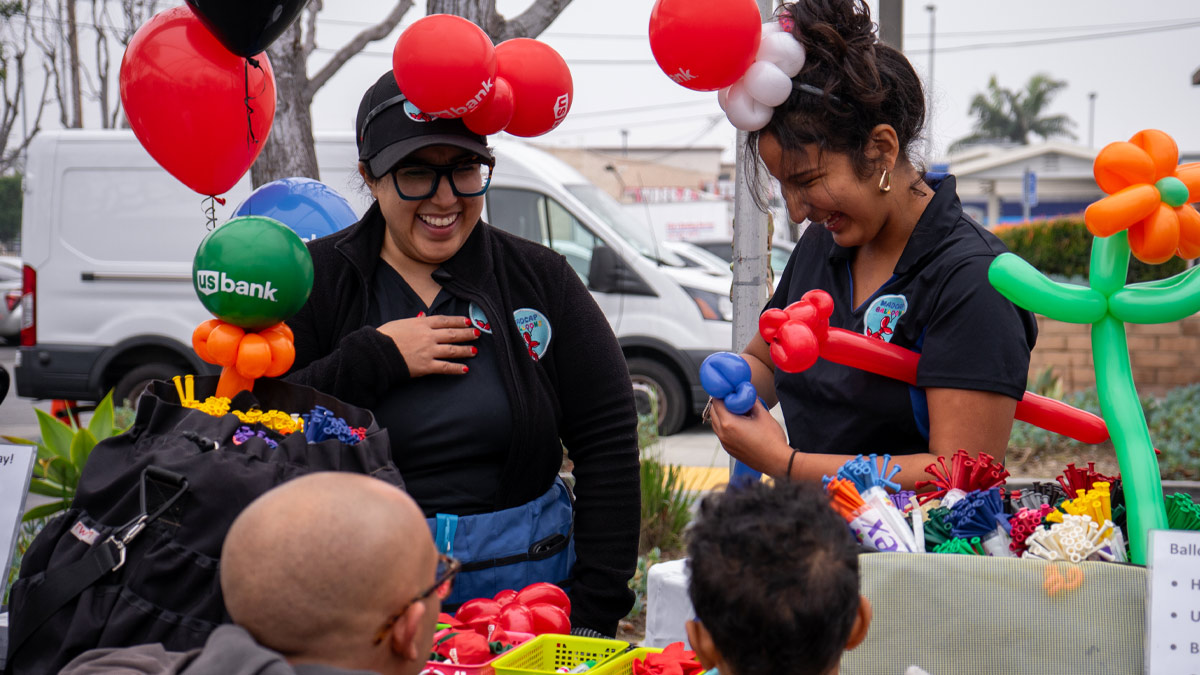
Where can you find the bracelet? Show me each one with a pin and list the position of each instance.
(788, 475)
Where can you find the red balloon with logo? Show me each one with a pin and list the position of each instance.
(541, 85)
(495, 113)
(183, 93)
(445, 65)
(705, 44)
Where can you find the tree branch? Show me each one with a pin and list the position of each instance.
(310, 29)
(355, 45)
(529, 23)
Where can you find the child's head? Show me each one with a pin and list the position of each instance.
(774, 582)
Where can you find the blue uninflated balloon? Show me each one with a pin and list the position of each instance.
(310, 208)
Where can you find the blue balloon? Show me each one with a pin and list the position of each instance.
(310, 208)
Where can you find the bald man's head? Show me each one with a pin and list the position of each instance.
(318, 564)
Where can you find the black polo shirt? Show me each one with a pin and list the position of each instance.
(450, 433)
(938, 302)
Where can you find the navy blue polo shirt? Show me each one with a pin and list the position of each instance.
(450, 433)
(938, 302)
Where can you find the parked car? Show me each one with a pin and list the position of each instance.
(723, 249)
(699, 259)
(10, 298)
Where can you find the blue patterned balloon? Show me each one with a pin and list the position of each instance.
(310, 208)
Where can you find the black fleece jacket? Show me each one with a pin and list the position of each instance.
(579, 391)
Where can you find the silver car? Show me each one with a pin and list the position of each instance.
(10, 299)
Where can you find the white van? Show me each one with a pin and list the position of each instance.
(108, 239)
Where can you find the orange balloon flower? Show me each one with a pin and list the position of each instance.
(245, 355)
(1148, 195)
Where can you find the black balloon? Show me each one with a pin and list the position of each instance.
(247, 27)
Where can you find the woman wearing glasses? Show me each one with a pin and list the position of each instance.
(484, 356)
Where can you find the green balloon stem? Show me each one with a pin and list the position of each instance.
(1140, 476)
(1172, 191)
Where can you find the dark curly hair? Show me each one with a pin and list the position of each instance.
(774, 578)
(863, 81)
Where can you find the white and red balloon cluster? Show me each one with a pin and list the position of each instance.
(720, 45)
(447, 67)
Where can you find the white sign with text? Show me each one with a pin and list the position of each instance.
(16, 466)
(1173, 604)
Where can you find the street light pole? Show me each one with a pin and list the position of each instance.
(1091, 119)
(932, 9)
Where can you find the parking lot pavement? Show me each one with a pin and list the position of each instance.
(698, 453)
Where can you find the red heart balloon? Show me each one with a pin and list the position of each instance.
(705, 44)
(445, 65)
(541, 85)
(184, 95)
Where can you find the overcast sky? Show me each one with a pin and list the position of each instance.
(1138, 57)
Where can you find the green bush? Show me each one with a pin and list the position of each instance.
(1062, 248)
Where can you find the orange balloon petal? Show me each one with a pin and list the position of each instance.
(1190, 175)
(231, 383)
(1119, 165)
(1162, 150)
(1189, 232)
(283, 353)
(281, 328)
(253, 356)
(223, 343)
(1155, 239)
(200, 339)
(1118, 211)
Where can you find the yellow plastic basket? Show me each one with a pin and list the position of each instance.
(547, 653)
(623, 664)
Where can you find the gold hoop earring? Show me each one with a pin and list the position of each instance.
(885, 181)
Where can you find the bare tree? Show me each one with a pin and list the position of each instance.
(289, 151)
(14, 46)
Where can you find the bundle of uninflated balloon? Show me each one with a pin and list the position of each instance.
(318, 424)
(970, 512)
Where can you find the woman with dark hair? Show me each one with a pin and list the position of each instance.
(902, 261)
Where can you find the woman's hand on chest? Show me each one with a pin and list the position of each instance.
(427, 342)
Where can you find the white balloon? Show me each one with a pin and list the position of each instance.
(770, 27)
(783, 50)
(722, 97)
(743, 111)
(767, 83)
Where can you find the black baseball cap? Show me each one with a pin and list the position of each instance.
(389, 128)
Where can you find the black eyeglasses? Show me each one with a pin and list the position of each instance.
(447, 567)
(467, 179)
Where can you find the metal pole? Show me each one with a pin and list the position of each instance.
(932, 9)
(891, 23)
(1091, 119)
(749, 245)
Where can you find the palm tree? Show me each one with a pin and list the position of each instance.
(1005, 115)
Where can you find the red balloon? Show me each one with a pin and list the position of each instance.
(549, 618)
(495, 113)
(445, 65)
(541, 85)
(183, 93)
(705, 44)
(795, 347)
(544, 593)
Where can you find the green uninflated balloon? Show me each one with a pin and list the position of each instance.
(252, 272)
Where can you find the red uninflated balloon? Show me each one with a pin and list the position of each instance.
(183, 93)
(495, 113)
(445, 65)
(541, 85)
(705, 44)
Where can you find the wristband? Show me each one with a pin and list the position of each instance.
(788, 475)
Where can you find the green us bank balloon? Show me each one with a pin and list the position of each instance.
(252, 272)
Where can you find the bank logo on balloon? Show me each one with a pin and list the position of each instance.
(209, 282)
(485, 89)
(683, 76)
(561, 106)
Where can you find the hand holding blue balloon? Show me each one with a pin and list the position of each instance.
(726, 376)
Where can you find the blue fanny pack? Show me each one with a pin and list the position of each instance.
(511, 548)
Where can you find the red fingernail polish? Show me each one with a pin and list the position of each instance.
(465, 369)
(474, 351)
(420, 314)
(468, 322)
(476, 332)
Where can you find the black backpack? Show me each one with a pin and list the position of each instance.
(136, 558)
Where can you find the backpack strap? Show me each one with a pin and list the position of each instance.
(61, 585)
